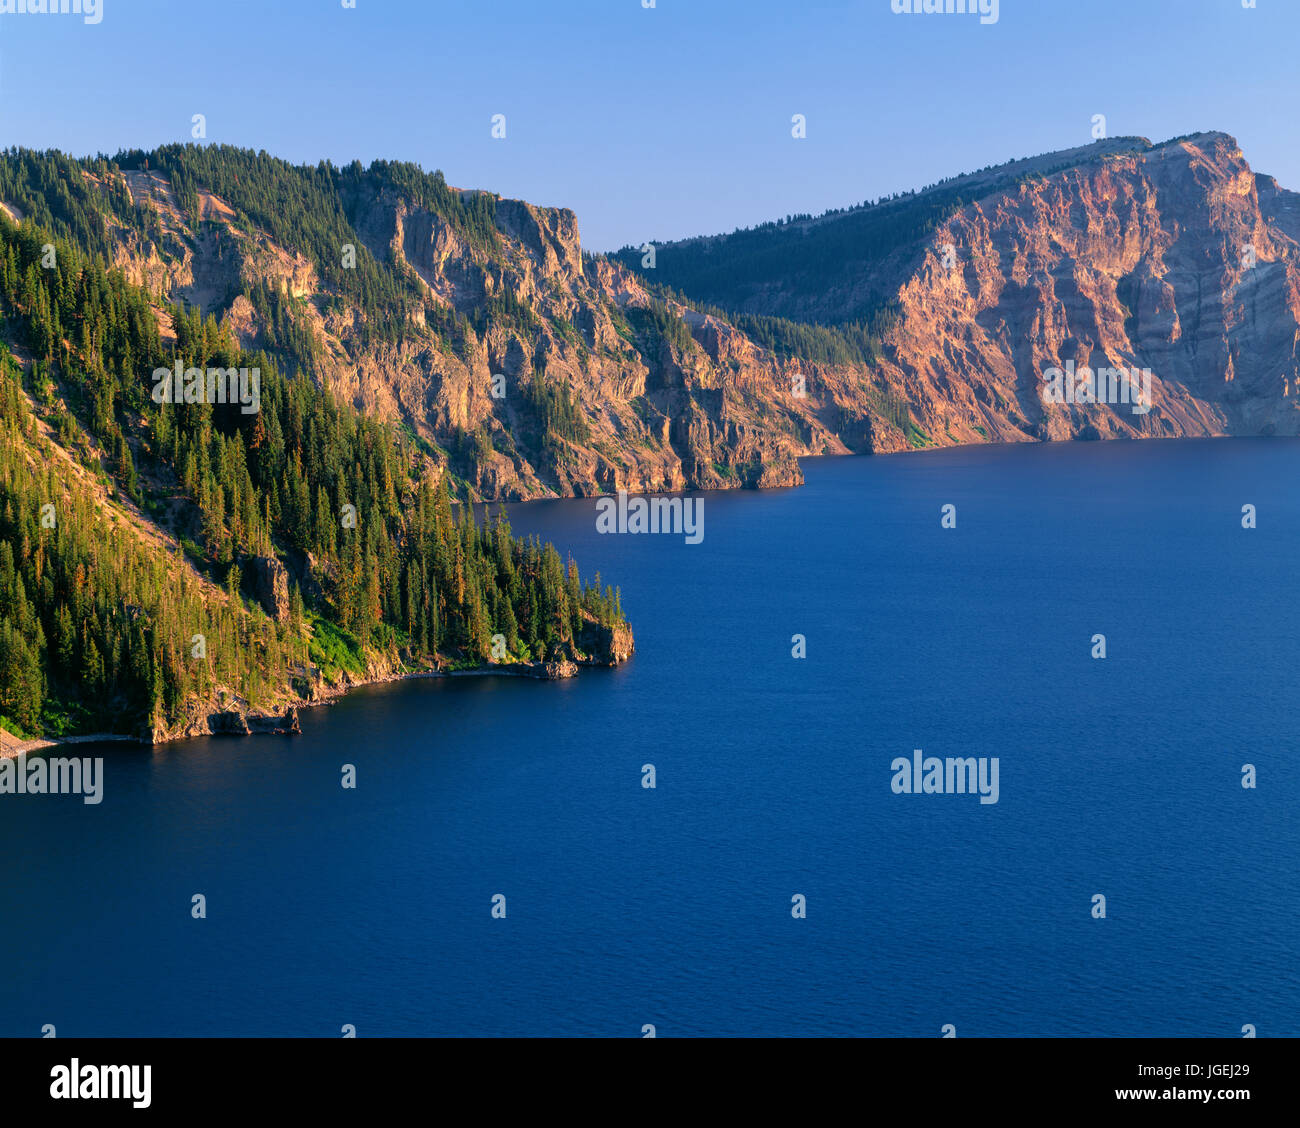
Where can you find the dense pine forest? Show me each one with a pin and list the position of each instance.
(135, 537)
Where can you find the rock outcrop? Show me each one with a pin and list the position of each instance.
(271, 584)
(236, 720)
(604, 646)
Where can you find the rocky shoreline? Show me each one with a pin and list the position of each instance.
(612, 646)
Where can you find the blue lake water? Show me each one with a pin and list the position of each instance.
(672, 906)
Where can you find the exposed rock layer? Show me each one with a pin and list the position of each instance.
(1175, 258)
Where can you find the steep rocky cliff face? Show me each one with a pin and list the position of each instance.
(1161, 260)
(573, 374)
(661, 404)
(1174, 258)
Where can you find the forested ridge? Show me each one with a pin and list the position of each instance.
(314, 208)
(98, 623)
(409, 296)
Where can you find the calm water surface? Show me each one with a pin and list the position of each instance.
(629, 906)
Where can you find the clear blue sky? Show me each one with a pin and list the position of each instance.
(656, 123)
